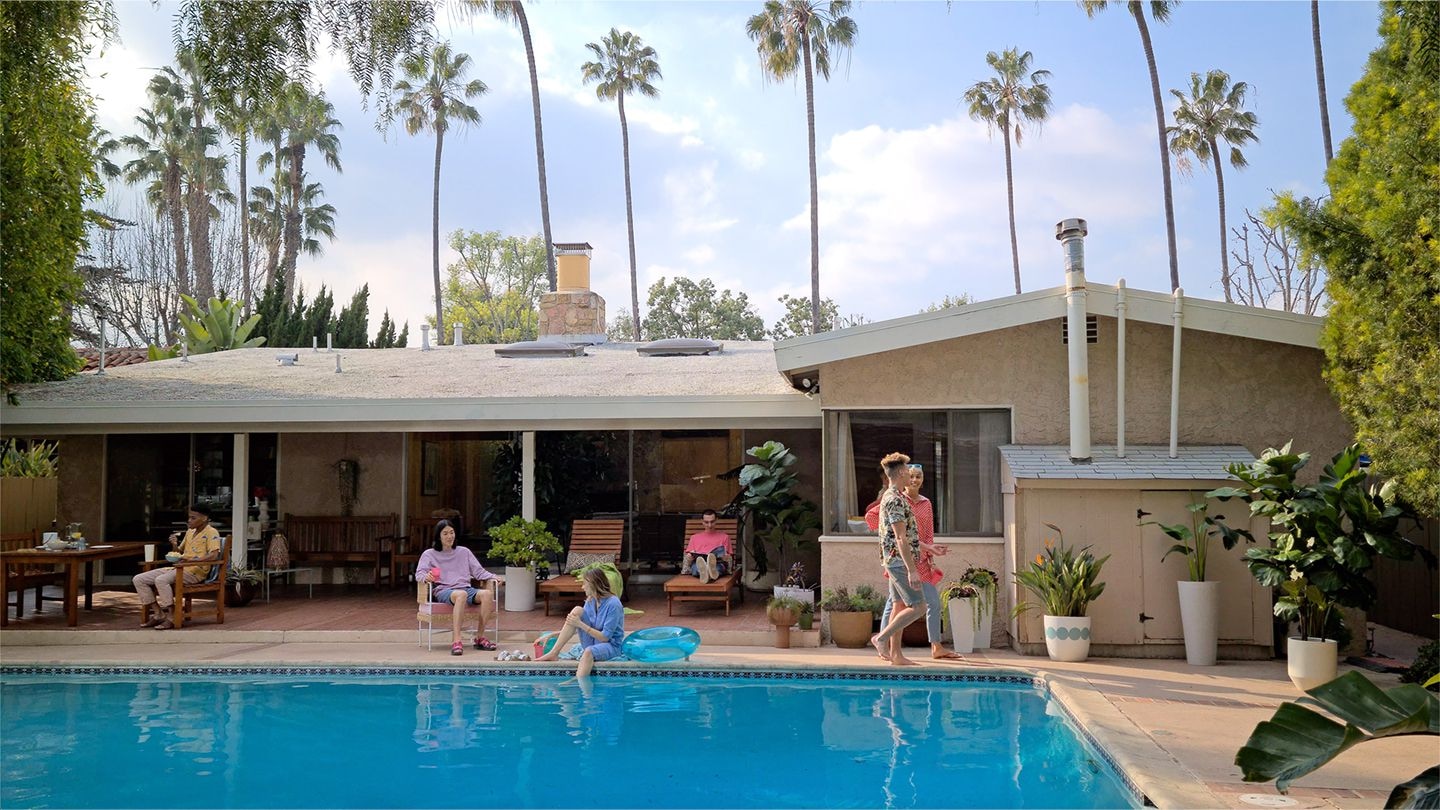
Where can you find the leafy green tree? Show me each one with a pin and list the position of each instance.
(385, 336)
(352, 328)
(514, 10)
(796, 320)
(432, 96)
(494, 290)
(1376, 235)
(1160, 11)
(949, 301)
(1014, 97)
(1211, 113)
(691, 309)
(47, 171)
(623, 64)
(796, 36)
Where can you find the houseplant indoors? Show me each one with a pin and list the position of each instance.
(522, 544)
(1199, 597)
(1065, 582)
(1324, 539)
(852, 616)
(783, 612)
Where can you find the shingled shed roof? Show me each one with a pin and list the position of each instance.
(1144, 462)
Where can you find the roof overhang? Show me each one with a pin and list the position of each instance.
(812, 351)
(391, 415)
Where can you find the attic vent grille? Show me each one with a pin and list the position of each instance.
(1092, 329)
(540, 348)
(679, 347)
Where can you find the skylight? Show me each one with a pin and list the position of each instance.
(679, 347)
(540, 348)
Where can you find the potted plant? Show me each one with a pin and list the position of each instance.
(780, 518)
(807, 614)
(1065, 582)
(794, 586)
(522, 544)
(958, 602)
(1199, 598)
(242, 584)
(1324, 539)
(986, 585)
(783, 611)
(852, 616)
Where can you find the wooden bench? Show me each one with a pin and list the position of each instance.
(586, 537)
(686, 588)
(328, 541)
(21, 577)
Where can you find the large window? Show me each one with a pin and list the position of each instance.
(959, 450)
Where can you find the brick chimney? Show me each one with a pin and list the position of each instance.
(573, 313)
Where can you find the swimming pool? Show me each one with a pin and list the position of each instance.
(524, 737)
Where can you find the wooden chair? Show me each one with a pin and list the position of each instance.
(21, 576)
(598, 537)
(409, 547)
(213, 587)
(687, 588)
(427, 611)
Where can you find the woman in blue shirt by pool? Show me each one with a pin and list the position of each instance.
(600, 623)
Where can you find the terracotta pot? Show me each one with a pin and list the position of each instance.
(239, 592)
(850, 629)
(782, 619)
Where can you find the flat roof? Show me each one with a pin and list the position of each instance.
(446, 388)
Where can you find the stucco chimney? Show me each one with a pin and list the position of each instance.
(573, 313)
(1071, 233)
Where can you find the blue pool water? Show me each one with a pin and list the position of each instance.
(268, 740)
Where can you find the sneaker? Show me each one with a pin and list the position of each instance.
(714, 566)
(457, 649)
(702, 570)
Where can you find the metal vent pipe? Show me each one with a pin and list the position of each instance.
(1071, 233)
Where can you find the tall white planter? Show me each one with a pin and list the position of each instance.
(962, 624)
(1200, 618)
(1067, 638)
(1311, 662)
(519, 589)
(987, 626)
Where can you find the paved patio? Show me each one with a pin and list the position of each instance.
(1174, 727)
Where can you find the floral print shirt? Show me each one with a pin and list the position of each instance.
(894, 508)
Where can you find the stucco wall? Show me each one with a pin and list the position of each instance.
(856, 561)
(307, 482)
(1233, 390)
(82, 467)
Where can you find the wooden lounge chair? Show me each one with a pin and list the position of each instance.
(686, 588)
(598, 537)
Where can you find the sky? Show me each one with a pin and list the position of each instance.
(912, 191)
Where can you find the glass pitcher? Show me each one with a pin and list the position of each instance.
(75, 533)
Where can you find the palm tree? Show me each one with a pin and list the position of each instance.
(1212, 113)
(624, 65)
(797, 35)
(316, 220)
(306, 120)
(159, 150)
(513, 10)
(1160, 10)
(434, 99)
(1320, 79)
(236, 113)
(1016, 95)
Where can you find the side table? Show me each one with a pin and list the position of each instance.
(272, 572)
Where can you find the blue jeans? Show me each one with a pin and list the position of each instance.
(932, 611)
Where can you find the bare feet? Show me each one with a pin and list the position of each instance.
(940, 653)
(879, 647)
(902, 661)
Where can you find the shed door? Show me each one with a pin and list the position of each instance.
(1161, 597)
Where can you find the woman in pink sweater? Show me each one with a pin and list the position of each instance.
(452, 570)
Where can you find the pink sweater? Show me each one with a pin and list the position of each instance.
(457, 567)
(706, 542)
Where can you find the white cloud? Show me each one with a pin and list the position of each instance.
(701, 254)
(692, 195)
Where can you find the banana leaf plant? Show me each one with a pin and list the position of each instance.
(782, 519)
(1298, 740)
(1193, 541)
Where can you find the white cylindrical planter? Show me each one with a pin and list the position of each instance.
(519, 589)
(962, 624)
(987, 627)
(1200, 617)
(1067, 638)
(1312, 661)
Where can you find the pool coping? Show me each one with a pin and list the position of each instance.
(1151, 775)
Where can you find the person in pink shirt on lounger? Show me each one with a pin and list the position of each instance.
(709, 552)
(452, 569)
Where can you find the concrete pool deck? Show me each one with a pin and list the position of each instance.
(1174, 728)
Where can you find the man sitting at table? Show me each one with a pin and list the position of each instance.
(156, 587)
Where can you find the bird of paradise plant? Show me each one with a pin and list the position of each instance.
(1064, 580)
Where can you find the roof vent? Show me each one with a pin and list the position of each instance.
(679, 347)
(540, 348)
(289, 359)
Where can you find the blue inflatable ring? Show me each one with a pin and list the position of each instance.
(656, 645)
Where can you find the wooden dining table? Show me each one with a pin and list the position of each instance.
(72, 560)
